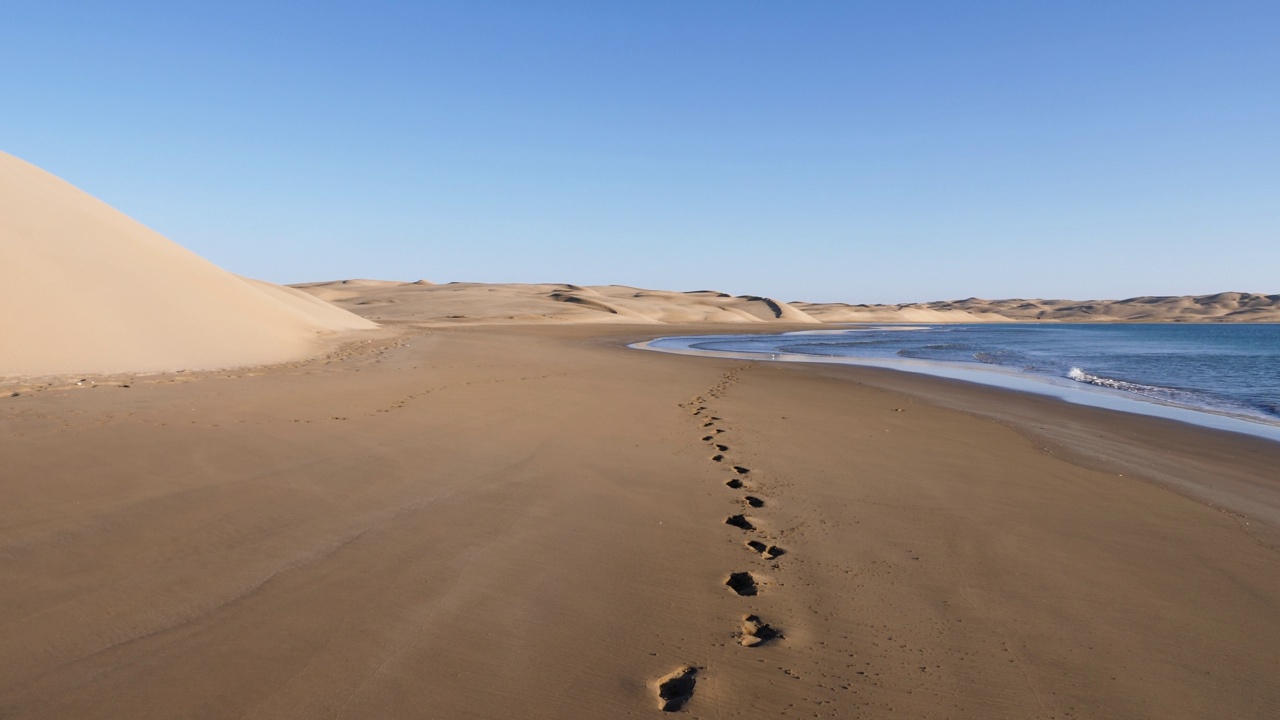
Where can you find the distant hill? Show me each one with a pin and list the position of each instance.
(471, 303)
(1222, 307)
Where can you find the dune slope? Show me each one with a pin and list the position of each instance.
(86, 289)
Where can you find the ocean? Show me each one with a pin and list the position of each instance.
(1220, 375)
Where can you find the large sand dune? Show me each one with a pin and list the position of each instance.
(88, 290)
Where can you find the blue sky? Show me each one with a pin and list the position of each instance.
(848, 151)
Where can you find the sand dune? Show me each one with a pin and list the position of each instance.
(841, 313)
(1222, 307)
(89, 290)
(479, 303)
(469, 303)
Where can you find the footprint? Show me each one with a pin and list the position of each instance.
(768, 552)
(756, 632)
(709, 438)
(742, 583)
(734, 483)
(717, 458)
(753, 501)
(676, 689)
(740, 522)
(741, 470)
(722, 448)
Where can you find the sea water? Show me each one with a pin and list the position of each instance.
(1210, 372)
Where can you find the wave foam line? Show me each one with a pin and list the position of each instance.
(1079, 375)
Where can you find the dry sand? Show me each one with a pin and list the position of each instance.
(88, 290)
(534, 522)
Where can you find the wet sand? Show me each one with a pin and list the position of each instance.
(537, 522)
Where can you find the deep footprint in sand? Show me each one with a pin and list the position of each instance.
(734, 483)
(717, 458)
(756, 632)
(740, 522)
(741, 470)
(742, 583)
(768, 552)
(722, 448)
(676, 689)
(753, 501)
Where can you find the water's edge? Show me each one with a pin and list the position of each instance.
(1067, 390)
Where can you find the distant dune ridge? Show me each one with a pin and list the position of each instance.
(468, 303)
(89, 290)
(515, 302)
(1222, 307)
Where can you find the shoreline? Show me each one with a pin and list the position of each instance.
(535, 520)
(1069, 392)
(1154, 447)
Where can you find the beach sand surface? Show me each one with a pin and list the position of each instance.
(534, 521)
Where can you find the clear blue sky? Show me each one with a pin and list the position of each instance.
(855, 151)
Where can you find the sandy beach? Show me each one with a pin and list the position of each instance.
(536, 521)
(707, 361)
(467, 500)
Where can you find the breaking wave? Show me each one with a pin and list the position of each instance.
(1079, 375)
(1175, 396)
(1172, 395)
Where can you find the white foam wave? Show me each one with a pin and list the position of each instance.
(1080, 375)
